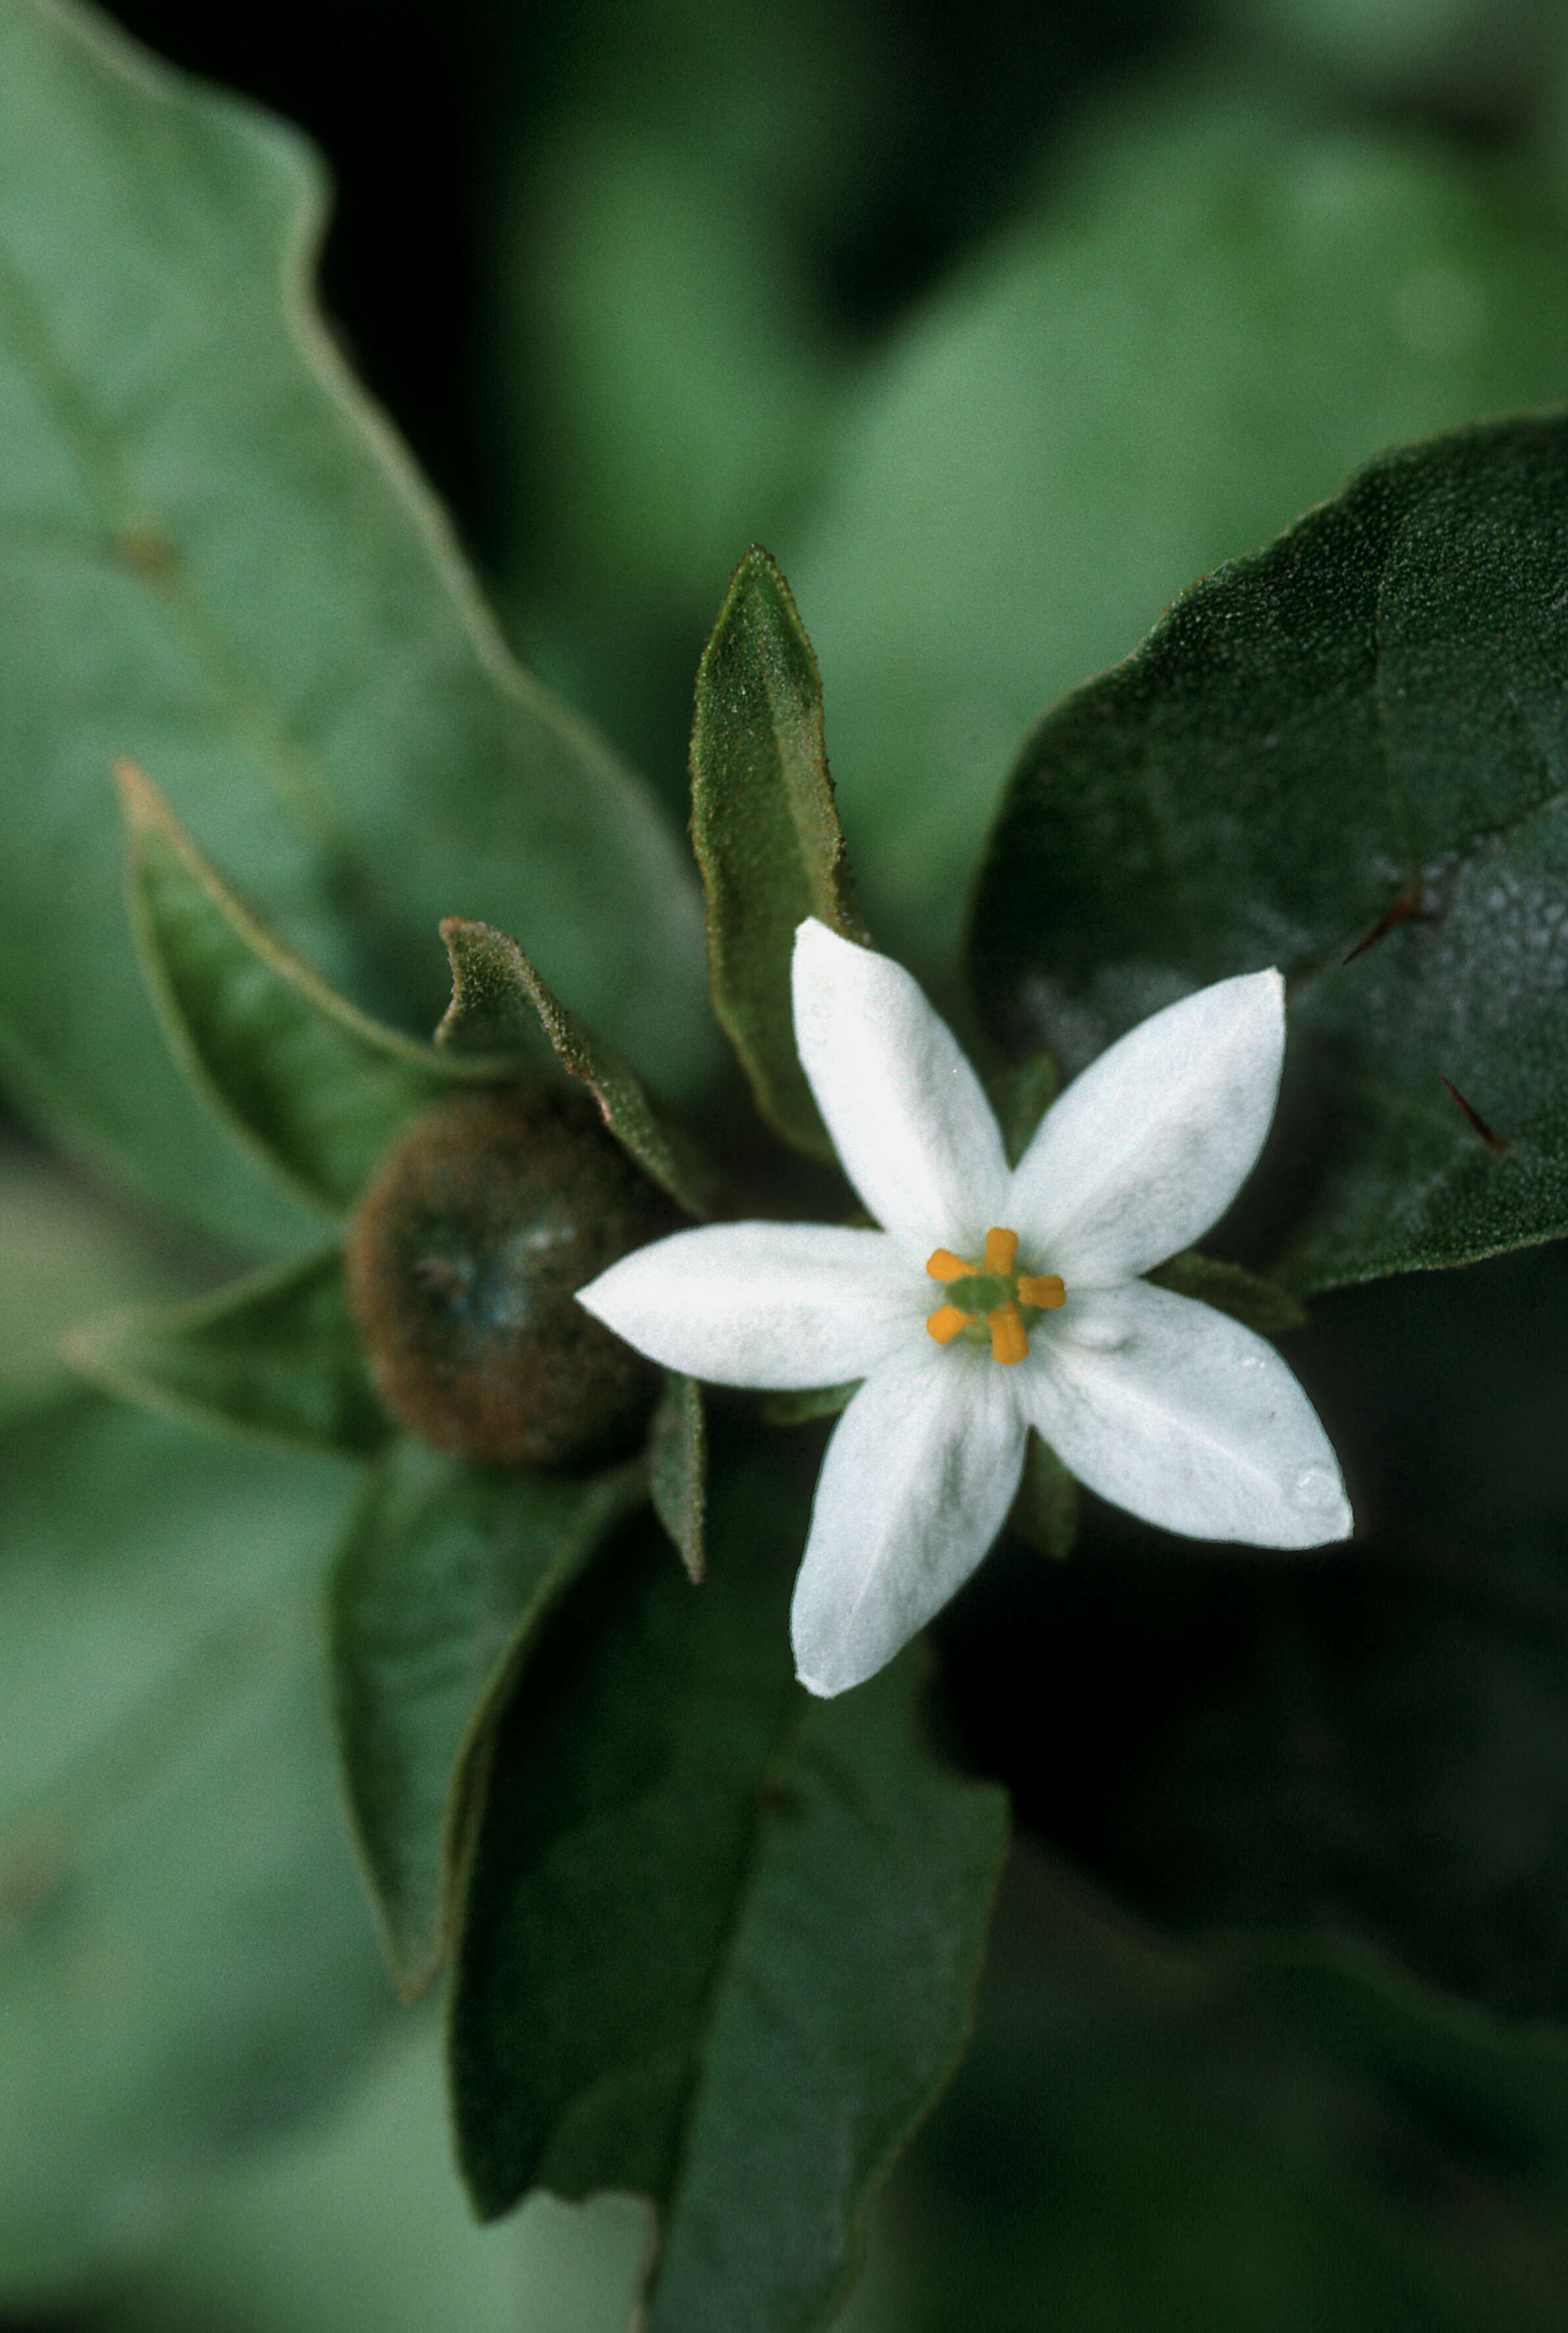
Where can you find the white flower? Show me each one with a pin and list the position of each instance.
(994, 1299)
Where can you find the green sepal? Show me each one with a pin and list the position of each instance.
(313, 1087)
(720, 1938)
(1255, 1303)
(816, 1401)
(1046, 1511)
(274, 1358)
(767, 833)
(500, 1005)
(1021, 1095)
(678, 1471)
(437, 1593)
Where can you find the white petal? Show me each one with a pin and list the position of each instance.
(1169, 1409)
(919, 1474)
(776, 1305)
(914, 1131)
(1151, 1144)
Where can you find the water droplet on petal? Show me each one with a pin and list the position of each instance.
(1315, 1489)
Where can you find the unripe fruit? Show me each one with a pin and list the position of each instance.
(464, 1254)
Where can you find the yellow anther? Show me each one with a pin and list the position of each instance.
(1008, 1342)
(1001, 1247)
(943, 1265)
(1045, 1288)
(946, 1323)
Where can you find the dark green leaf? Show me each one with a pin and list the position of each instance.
(275, 1357)
(1020, 1096)
(316, 1090)
(1217, 312)
(720, 1938)
(1046, 1513)
(217, 560)
(818, 1401)
(1360, 735)
(677, 1458)
(1256, 1303)
(500, 1005)
(186, 1967)
(767, 832)
(438, 1593)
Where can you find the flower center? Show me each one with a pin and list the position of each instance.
(990, 1299)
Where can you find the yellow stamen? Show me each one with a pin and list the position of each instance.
(943, 1265)
(1001, 1247)
(1008, 1342)
(946, 1323)
(1045, 1288)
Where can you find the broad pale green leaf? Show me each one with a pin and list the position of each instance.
(720, 1939)
(1361, 741)
(767, 832)
(216, 559)
(275, 1357)
(185, 1965)
(316, 1090)
(500, 1005)
(1216, 313)
(441, 1585)
(677, 1478)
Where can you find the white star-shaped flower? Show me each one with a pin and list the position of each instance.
(996, 1299)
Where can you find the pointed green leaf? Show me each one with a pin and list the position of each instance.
(1020, 1096)
(677, 1459)
(1256, 1303)
(316, 1090)
(441, 1585)
(767, 832)
(217, 560)
(274, 1357)
(1360, 735)
(818, 1401)
(1219, 309)
(501, 1006)
(186, 1967)
(720, 1939)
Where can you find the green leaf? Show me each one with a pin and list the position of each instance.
(1359, 736)
(817, 1401)
(439, 1594)
(215, 558)
(315, 1089)
(500, 1005)
(1020, 1096)
(1046, 1511)
(677, 1458)
(274, 1358)
(184, 1963)
(1256, 1303)
(720, 1939)
(1217, 312)
(767, 832)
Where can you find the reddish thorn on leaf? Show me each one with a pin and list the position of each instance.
(1494, 1142)
(1408, 904)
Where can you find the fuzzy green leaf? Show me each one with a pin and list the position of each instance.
(767, 832)
(215, 558)
(720, 1938)
(1046, 1511)
(1256, 1303)
(1219, 309)
(501, 1006)
(185, 1963)
(274, 1358)
(817, 1401)
(1020, 1096)
(1360, 735)
(315, 1089)
(677, 1457)
(440, 1590)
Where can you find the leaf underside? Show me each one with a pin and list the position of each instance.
(1349, 756)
